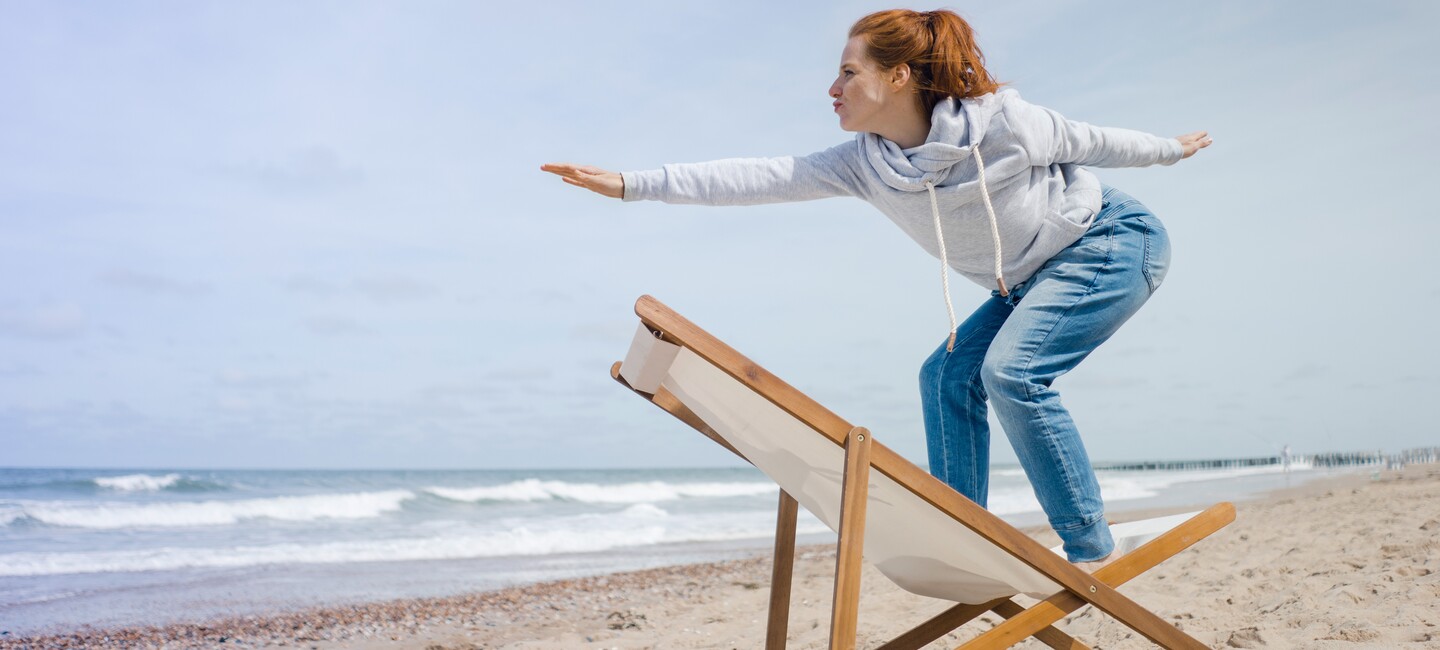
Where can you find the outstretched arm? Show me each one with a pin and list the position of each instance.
(1050, 138)
(733, 181)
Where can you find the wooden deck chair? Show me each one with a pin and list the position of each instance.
(916, 530)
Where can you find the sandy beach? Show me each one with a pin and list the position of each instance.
(1351, 561)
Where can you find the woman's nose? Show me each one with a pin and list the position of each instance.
(835, 90)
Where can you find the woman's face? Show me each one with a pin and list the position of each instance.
(864, 94)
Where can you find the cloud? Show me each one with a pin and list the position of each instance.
(1305, 370)
(394, 288)
(311, 170)
(234, 378)
(152, 284)
(508, 375)
(310, 286)
(330, 325)
(54, 321)
(16, 369)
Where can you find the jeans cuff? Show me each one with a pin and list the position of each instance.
(1087, 543)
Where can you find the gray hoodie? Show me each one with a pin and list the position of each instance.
(1031, 159)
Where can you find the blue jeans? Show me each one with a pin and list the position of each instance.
(1011, 351)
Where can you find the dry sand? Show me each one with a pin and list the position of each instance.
(1350, 562)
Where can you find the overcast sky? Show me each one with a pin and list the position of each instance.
(314, 234)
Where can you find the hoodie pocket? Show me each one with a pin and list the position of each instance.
(1057, 233)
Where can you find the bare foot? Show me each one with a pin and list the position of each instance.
(1092, 567)
(1087, 567)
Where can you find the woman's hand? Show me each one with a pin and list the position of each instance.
(591, 178)
(1192, 142)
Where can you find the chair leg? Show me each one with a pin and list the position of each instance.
(1049, 635)
(939, 625)
(943, 623)
(782, 573)
(845, 608)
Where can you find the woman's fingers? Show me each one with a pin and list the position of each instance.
(1193, 142)
(589, 177)
(562, 169)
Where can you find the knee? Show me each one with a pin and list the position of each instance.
(930, 371)
(1004, 379)
(949, 372)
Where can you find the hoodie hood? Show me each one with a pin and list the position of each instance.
(955, 127)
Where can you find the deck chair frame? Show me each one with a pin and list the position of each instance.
(863, 455)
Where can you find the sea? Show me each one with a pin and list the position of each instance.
(109, 548)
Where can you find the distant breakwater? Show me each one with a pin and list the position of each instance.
(1324, 459)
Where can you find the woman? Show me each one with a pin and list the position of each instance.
(994, 187)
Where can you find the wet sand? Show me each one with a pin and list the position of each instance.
(1345, 562)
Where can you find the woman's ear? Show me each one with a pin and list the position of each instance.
(899, 77)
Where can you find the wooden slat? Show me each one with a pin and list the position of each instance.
(781, 574)
(939, 625)
(845, 608)
(680, 330)
(1114, 574)
(1047, 635)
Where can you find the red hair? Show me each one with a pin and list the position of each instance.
(938, 46)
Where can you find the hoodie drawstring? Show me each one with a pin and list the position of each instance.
(944, 259)
(994, 224)
(944, 265)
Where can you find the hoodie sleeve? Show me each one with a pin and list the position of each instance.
(749, 181)
(1050, 138)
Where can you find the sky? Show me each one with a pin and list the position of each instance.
(315, 235)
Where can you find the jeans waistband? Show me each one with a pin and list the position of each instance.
(1111, 200)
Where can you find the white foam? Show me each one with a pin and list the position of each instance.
(359, 505)
(644, 511)
(1012, 501)
(646, 492)
(1121, 485)
(514, 542)
(1122, 489)
(637, 525)
(137, 482)
(1143, 484)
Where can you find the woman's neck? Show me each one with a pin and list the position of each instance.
(909, 128)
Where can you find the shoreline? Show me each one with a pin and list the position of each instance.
(715, 604)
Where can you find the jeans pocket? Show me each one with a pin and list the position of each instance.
(1157, 253)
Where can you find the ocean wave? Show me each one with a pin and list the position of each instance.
(137, 482)
(1021, 500)
(645, 492)
(1127, 485)
(512, 542)
(129, 483)
(1147, 483)
(361, 505)
(638, 525)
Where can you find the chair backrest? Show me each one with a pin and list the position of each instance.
(920, 547)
